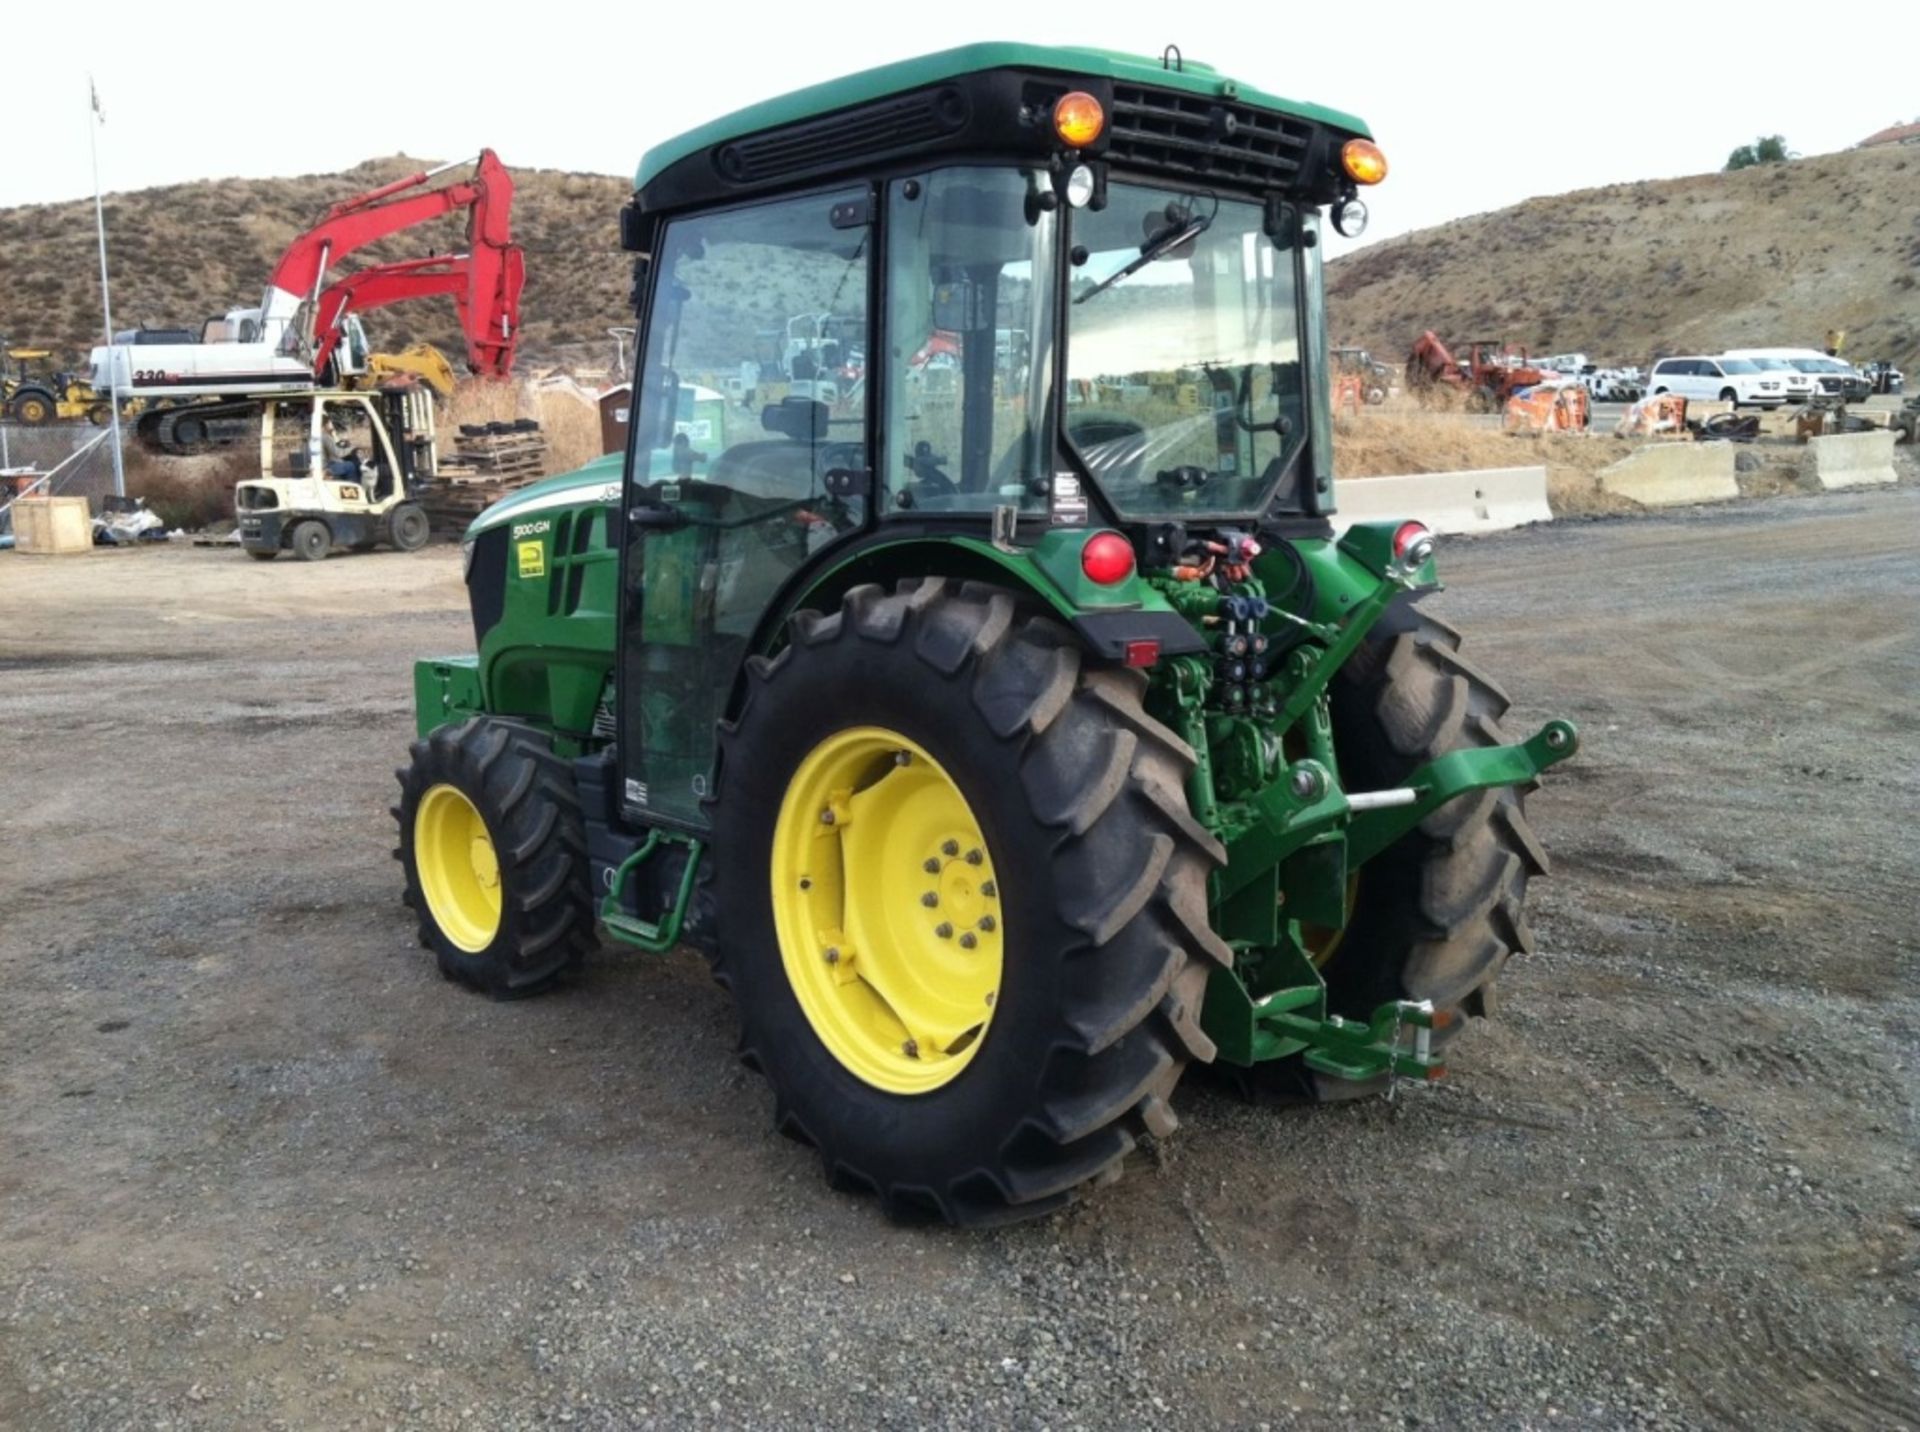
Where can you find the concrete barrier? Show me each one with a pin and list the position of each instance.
(1488, 500)
(1849, 459)
(1672, 474)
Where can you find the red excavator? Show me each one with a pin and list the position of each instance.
(1489, 373)
(306, 334)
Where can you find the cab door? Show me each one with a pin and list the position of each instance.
(731, 488)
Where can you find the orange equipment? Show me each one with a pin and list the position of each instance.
(1547, 410)
(1488, 374)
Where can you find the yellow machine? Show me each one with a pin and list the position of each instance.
(32, 392)
(422, 360)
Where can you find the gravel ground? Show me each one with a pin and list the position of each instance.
(260, 1166)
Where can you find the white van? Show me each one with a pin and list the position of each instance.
(1834, 376)
(1731, 380)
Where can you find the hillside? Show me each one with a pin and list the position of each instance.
(183, 252)
(1776, 255)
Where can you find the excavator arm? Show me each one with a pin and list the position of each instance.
(484, 285)
(354, 223)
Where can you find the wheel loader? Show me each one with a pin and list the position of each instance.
(1008, 733)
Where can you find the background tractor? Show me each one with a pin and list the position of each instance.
(33, 391)
(1010, 731)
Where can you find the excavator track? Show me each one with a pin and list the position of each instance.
(198, 427)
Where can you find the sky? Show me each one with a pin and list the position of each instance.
(1474, 114)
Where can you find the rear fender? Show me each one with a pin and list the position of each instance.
(1108, 619)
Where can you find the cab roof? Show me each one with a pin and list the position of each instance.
(1191, 76)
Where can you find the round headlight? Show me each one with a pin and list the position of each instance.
(1350, 218)
(1080, 186)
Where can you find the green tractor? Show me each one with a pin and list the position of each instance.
(1011, 730)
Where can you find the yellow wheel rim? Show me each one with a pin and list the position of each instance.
(459, 872)
(887, 910)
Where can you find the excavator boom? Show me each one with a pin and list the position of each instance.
(354, 223)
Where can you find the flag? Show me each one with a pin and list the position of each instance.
(98, 113)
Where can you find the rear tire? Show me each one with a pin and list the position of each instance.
(311, 541)
(1079, 796)
(32, 410)
(407, 527)
(540, 895)
(1439, 912)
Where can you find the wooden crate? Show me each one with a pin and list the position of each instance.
(52, 525)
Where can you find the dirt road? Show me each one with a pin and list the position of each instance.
(260, 1166)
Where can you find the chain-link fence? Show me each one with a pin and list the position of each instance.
(74, 461)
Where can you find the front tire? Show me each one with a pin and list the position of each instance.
(495, 855)
(407, 527)
(1099, 901)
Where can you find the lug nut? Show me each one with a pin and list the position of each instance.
(833, 954)
(949, 847)
(974, 857)
(826, 816)
(931, 865)
(967, 941)
(986, 923)
(989, 889)
(930, 899)
(943, 930)
(911, 1049)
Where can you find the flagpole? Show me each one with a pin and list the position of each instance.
(106, 303)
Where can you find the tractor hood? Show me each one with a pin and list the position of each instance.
(597, 482)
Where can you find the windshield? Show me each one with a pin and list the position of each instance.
(1737, 365)
(1818, 365)
(1772, 365)
(1185, 393)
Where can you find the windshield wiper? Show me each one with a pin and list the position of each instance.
(1164, 242)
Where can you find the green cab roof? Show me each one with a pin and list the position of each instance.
(1193, 77)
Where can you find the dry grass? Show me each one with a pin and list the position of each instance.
(189, 493)
(1385, 442)
(570, 425)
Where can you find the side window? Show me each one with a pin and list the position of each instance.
(1711, 369)
(969, 363)
(758, 348)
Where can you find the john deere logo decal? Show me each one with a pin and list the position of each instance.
(533, 558)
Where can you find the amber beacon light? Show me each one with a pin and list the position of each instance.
(1363, 161)
(1078, 118)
